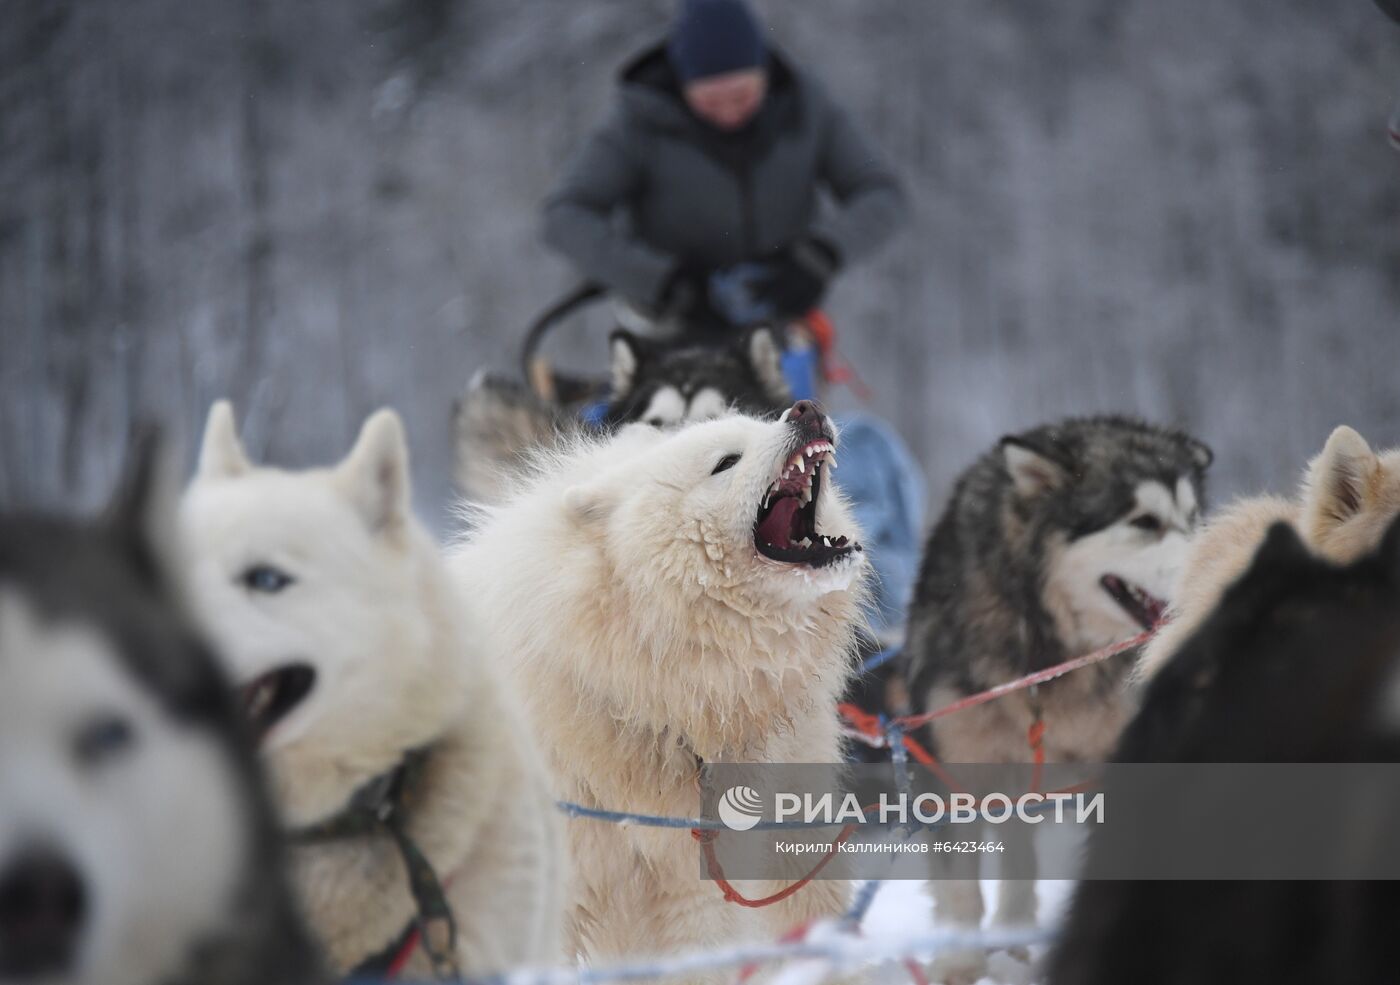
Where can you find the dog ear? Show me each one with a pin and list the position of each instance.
(375, 473)
(590, 502)
(1389, 551)
(221, 454)
(1281, 547)
(1201, 453)
(629, 352)
(142, 510)
(763, 354)
(1032, 472)
(1335, 488)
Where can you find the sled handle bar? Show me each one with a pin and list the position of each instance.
(536, 370)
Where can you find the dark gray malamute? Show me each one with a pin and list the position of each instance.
(1057, 542)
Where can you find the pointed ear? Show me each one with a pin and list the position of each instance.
(1033, 473)
(1282, 546)
(375, 473)
(1201, 454)
(590, 502)
(763, 354)
(1389, 551)
(1335, 488)
(142, 510)
(221, 454)
(628, 353)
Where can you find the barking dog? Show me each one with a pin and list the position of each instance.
(499, 423)
(137, 845)
(1348, 497)
(668, 598)
(373, 700)
(1299, 663)
(1060, 541)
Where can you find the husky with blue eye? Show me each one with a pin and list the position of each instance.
(427, 838)
(137, 844)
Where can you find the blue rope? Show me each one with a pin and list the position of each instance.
(865, 895)
(843, 952)
(699, 823)
(877, 660)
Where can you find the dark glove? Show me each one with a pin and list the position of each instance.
(794, 280)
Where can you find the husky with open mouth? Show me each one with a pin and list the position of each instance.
(1061, 540)
(664, 599)
(425, 836)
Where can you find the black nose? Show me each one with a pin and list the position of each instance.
(42, 906)
(804, 411)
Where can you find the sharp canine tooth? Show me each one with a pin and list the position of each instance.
(800, 466)
(826, 541)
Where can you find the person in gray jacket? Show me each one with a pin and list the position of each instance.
(699, 199)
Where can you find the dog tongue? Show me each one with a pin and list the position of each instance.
(776, 527)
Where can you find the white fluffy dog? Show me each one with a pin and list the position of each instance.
(372, 697)
(666, 599)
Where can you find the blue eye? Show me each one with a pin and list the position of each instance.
(266, 579)
(725, 464)
(102, 739)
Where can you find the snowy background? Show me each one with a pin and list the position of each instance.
(1186, 210)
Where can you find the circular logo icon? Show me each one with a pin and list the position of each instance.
(740, 808)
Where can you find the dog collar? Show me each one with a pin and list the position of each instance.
(378, 808)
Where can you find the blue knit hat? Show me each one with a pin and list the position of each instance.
(711, 37)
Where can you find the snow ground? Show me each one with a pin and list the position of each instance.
(905, 907)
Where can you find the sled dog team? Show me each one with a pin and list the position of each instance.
(272, 732)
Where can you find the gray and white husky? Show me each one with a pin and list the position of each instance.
(137, 845)
(1057, 542)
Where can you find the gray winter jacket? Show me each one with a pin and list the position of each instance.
(654, 186)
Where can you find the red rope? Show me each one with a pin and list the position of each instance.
(1021, 683)
(401, 959)
(1035, 738)
(871, 725)
(795, 934)
(732, 895)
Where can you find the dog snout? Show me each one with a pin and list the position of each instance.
(43, 904)
(805, 412)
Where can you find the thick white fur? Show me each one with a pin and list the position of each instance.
(1342, 509)
(160, 861)
(399, 668)
(644, 630)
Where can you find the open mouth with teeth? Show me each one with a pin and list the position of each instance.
(1145, 608)
(270, 698)
(786, 528)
